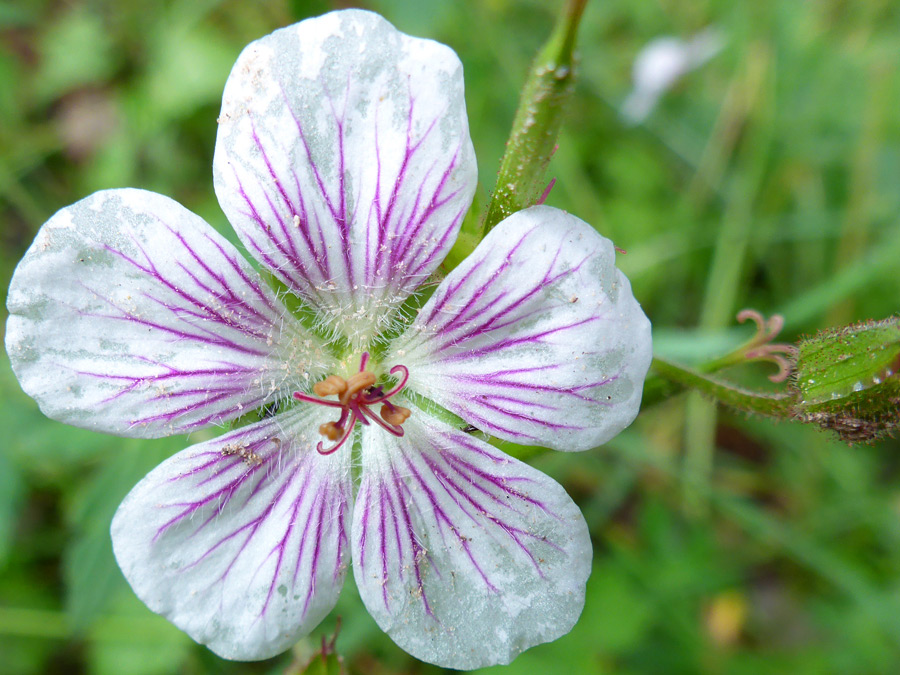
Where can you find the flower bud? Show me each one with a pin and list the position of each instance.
(848, 380)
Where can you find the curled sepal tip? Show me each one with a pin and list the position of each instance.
(761, 346)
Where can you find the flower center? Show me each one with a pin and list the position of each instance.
(355, 397)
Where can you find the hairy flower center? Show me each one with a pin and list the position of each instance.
(355, 397)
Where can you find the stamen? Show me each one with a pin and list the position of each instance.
(394, 414)
(358, 382)
(359, 411)
(355, 396)
(300, 396)
(390, 428)
(400, 385)
(330, 385)
(331, 431)
(334, 448)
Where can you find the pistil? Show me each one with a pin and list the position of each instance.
(355, 397)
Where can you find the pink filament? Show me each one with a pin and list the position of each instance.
(357, 408)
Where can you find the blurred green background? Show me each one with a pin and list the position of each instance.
(769, 178)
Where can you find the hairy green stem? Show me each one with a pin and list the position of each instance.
(675, 376)
(535, 129)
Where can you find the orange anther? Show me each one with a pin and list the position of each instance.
(358, 382)
(330, 385)
(331, 431)
(394, 414)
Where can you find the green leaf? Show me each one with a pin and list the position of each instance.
(617, 614)
(134, 641)
(75, 51)
(186, 71)
(90, 570)
(840, 361)
(10, 498)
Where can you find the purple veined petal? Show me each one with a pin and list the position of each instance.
(463, 555)
(130, 315)
(535, 338)
(242, 542)
(344, 162)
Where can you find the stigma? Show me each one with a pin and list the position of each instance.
(356, 398)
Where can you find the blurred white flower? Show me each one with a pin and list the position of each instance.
(661, 64)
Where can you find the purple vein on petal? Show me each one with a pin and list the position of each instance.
(388, 500)
(317, 254)
(343, 537)
(344, 221)
(227, 295)
(417, 550)
(484, 311)
(464, 494)
(468, 317)
(574, 390)
(469, 471)
(327, 200)
(519, 340)
(220, 497)
(435, 203)
(181, 334)
(237, 269)
(383, 221)
(299, 285)
(281, 545)
(312, 507)
(151, 270)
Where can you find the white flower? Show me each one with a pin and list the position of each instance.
(344, 162)
(661, 64)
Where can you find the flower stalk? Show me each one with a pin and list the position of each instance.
(535, 129)
(845, 379)
(533, 136)
(675, 377)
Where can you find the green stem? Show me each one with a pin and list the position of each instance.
(658, 389)
(771, 405)
(538, 119)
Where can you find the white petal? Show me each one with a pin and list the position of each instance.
(344, 162)
(463, 555)
(242, 541)
(131, 315)
(535, 337)
(661, 64)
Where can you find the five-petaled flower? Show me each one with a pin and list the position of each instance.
(344, 163)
